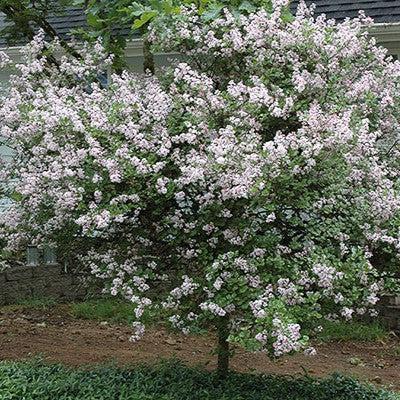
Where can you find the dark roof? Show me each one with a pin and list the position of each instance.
(63, 22)
(382, 11)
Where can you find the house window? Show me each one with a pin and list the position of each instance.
(49, 256)
(32, 256)
(35, 256)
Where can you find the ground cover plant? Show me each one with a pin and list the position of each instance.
(170, 381)
(253, 188)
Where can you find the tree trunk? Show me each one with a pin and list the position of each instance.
(223, 347)
(148, 57)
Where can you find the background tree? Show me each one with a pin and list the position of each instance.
(114, 22)
(106, 18)
(23, 18)
(245, 190)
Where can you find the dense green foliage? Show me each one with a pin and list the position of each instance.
(24, 17)
(36, 381)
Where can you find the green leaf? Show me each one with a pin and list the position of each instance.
(136, 9)
(144, 19)
(94, 21)
(16, 196)
(247, 6)
(212, 12)
(169, 8)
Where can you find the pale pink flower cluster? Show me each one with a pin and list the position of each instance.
(326, 275)
(139, 331)
(287, 337)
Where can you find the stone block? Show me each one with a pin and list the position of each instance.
(43, 288)
(3, 299)
(46, 271)
(79, 279)
(391, 323)
(391, 311)
(44, 281)
(75, 294)
(17, 291)
(19, 274)
(385, 300)
(55, 291)
(4, 287)
(67, 280)
(39, 288)
(395, 301)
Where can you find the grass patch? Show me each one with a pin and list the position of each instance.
(115, 310)
(34, 303)
(396, 351)
(352, 330)
(119, 311)
(112, 310)
(170, 381)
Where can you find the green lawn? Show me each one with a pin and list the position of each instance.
(37, 381)
(113, 310)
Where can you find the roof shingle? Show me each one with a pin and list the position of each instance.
(382, 11)
(63, 22)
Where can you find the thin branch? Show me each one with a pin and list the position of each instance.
(13, 11)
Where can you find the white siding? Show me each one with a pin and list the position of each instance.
(5, 152)
(135, 63)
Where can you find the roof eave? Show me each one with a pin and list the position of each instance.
(386, 32)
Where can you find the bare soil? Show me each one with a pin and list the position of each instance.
(56, 336)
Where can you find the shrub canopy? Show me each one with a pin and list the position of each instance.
(254, 181)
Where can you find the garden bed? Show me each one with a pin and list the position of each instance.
(57, 336)
(171, 381)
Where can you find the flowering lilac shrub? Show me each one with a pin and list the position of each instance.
(251, 184)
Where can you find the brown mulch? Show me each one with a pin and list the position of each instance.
(56, 336)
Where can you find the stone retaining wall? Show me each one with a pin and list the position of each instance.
(389, 312)
(47, 281)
